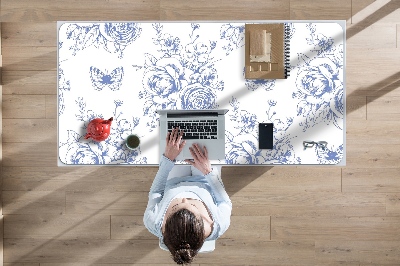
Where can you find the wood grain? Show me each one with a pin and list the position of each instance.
(335, 228)
(33, 202)
(89, 179)
(379, 180)
(107, 203)
(393, 204)
(39, 130)
(24, 106)
(363, 252)
(42, 10)
(30, 82)
(324, 9)
(383, 108)
(30, 154)
(309, 204)
(50, 226)
(224, 10)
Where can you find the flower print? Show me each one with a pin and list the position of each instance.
(209, 77)
(318, 81)
(246, 121)
(83, 154)
(120, 33)
(198, 53)
(162, 80)
(242, 149)
(169, 44)
(197, 96)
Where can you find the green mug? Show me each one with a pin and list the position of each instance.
(132, 141)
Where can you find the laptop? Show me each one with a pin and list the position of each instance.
(204, 127)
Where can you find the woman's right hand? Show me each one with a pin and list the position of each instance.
(200, 159)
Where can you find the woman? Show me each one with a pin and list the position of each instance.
(187, 204)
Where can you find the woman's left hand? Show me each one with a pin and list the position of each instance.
(174, 144)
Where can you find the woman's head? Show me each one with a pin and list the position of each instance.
(184, 235)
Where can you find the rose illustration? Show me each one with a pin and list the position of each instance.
(83, 154)
(243, 150)
(197, 96)
(318, 81)
(120, 33)
(162, 80)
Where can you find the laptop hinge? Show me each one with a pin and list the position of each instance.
(191, 114)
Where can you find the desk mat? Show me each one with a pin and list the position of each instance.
(128, 70)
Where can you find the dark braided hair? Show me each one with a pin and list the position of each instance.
(184, 235)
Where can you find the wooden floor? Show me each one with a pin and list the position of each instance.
(281, 215)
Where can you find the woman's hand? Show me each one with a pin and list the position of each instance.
(200, 159)
(174, 144)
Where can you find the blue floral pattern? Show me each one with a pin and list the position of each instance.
(129, 70)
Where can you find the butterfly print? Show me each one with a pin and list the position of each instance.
(100, 80)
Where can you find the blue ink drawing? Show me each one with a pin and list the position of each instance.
(100, 80)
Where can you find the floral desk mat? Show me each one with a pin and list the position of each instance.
(129, 70)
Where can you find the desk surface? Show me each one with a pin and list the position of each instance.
(129, 70)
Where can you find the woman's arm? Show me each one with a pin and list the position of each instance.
(156, 194)
(173, 148)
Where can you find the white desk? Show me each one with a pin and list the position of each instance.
(128, 70)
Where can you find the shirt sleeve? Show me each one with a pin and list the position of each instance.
(156, 194)
(222, 199)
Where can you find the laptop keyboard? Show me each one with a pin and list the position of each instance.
(195, 129)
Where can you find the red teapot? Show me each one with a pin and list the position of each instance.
(99, 129)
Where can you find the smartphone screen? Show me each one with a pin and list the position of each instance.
(265, 135)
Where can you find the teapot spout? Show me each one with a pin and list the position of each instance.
(108, 121)
(88, 135)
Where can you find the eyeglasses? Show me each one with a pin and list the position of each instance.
(310, 144)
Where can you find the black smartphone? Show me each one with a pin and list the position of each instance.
(265, 135)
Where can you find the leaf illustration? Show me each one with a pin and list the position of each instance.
(90, 37)
(149, 60)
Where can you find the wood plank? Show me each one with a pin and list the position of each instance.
(29, 34)
(364, 252)
(393, 204)
(101, 178)
(21, 264)
(51, 106)
(29, 130)
(373, 132)
(107, 203)
(384, 180)
(24, 106)
(383, 155)
(249, 227)
(46, 61)
(356, 108)
(30, 154)
(335, 228)
(51, 226)
(29, 82)
(224, 10)
(374, 75)
(324, 9)
(33, 202)
(383, 108)
(113, 10)
(129, 227)
(370, 12)
(309, 204)
(285, 179)
(384, 36)
(228, 251)
(358, 6)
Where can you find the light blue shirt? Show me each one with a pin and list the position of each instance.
(209, 188)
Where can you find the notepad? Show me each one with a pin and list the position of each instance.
(267, 51)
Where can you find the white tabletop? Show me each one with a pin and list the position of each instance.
(128, 70)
